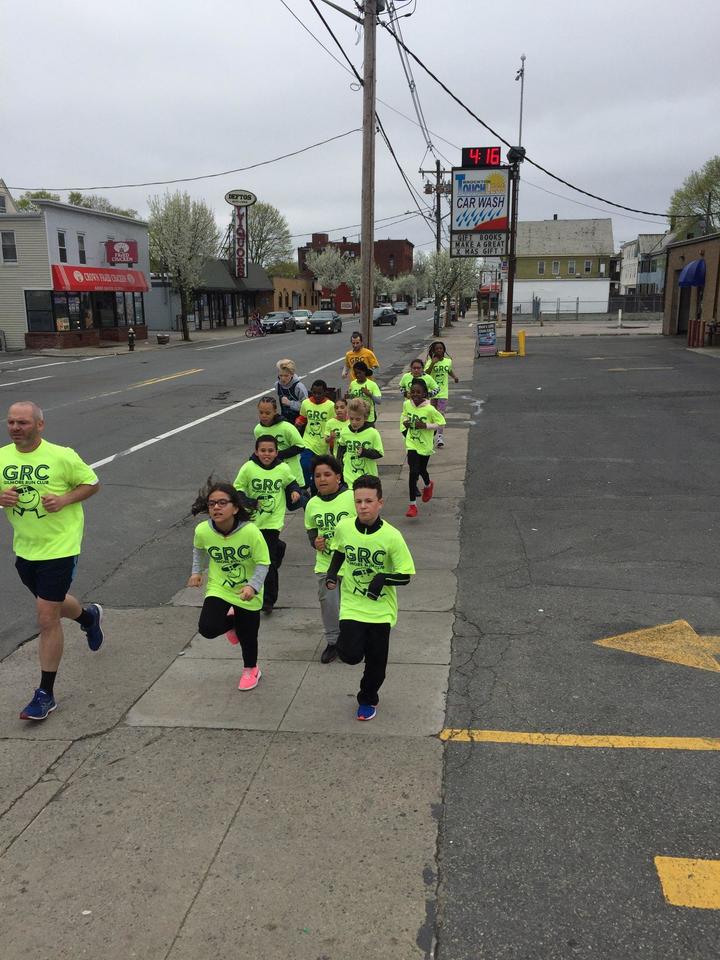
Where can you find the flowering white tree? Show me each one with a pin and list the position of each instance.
(448, 275)
(183, 237)
(353, 278)
(404, 286)
(329, 267)
(420, 272)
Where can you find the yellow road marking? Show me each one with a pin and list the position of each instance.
(674, 642)
(579, 740)
(690, 883)
(173, 376)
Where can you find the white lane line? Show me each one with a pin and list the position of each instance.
(195, 423)
(57, 363)
(228, 343)
(404, 330)
(14, 383)
(23, 360)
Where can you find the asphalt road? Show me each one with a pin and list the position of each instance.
(136, 551)
(591, 512)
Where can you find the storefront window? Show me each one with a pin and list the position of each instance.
(105, 306)
(86, 311)
(120, 308)
(129, 309)
(62, 314)
(38, 304)
(139, 308)
(74, 310)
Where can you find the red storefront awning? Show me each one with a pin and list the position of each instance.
(81, 279)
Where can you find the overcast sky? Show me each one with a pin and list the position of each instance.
(621, 98)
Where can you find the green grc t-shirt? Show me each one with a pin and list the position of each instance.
(39, 535)
(418, 437)
(367, 554)
(232, 561)
(355, 466)
(317, 415)
(287, 436)
(356, 390)
(267, 486)
(442, 372)
(323, 514)
(333, 426)
(407, 378)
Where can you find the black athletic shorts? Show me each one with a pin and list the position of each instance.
(47, 579)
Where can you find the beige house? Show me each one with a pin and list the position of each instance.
(294, 293)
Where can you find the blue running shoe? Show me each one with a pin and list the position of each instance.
(39, 707)
(94, 633)
(366, 711)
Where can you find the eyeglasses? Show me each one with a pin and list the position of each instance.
(218, 503)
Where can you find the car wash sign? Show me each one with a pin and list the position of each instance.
(480, 213)
(240, 200)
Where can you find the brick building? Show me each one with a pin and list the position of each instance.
(392, 257)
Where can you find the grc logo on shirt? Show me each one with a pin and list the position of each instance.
(261, 486)
(229, 554)
(328, 521)
(364, 556)
(26, 473)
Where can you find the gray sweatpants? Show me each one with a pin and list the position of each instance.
(329, 609)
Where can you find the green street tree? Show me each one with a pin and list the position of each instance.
(25, 201)
(269, 238)
(183, 237)
(698, 198)
(93, 201)
(284, 268)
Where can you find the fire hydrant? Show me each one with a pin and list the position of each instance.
(131, 339)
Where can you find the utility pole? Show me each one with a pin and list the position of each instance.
(439, 189)
(515, 155)
(367, 214)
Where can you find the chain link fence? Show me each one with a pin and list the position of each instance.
(577, 309)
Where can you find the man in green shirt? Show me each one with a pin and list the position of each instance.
(375, 561)
(41, 488)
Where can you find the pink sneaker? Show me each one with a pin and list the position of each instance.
(249, 679)
(231, 635)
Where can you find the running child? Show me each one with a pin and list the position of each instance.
(359, 445)
(332, 503)
(419, 421)
(375, 560)
(317, 409)
(238, 561)
(361, 386)
(416, 373)
(268, 486)
(289, 441)
(439, 365)
(335, 424)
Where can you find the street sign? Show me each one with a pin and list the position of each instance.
(240, 198)
(479, 213)
(478, 244)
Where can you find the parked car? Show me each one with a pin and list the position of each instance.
(420, 305)
(384, 315)
(301, 317)
(324, 321)
(400, 306)
(278, 321)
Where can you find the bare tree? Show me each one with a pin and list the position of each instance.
(183, 237)
(269, 238)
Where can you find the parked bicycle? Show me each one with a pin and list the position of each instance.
(254, 327)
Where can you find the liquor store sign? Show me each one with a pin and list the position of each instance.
(240, 200)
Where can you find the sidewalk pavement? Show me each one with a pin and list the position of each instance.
(160, 813)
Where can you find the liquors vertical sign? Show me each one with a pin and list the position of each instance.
(241, 201)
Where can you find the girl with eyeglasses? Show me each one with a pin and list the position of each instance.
(237, 560)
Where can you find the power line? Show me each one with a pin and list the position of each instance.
(204, 176)
(502, 139)
(349, 226)
(377, 118)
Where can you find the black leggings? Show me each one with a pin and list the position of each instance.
(215, 619)
(276, 549)
(418, 468)
(370, 642)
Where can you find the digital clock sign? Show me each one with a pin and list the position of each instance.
(481, 157)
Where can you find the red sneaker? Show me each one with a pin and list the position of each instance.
(428, 492)
(411, 511)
